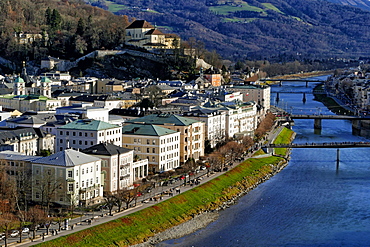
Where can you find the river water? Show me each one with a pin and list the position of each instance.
(309, 203)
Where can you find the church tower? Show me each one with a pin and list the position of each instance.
(45, 88)
(19, 86)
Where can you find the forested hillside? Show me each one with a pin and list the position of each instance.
(65, 28)
(363, 4)
(257, 29)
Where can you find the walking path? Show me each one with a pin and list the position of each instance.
(96, 218)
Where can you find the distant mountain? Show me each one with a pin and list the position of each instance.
(363, 4)
(258, 29)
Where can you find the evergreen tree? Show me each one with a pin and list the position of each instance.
(81, 27)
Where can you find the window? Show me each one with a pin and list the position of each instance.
(86, 134)
(80, 133)
(148, 150)
(67, 133)
(153, 150)
(83, 183)
(61, 141)
(76, 173)
(74, 133)
(91, 181)
(91, 169)
(91, 134)
(70, 187)
(85, 142)
(74, 141)
(82, 171)
(97, 167)
(37, 195)
(70, 174)
(60, 132)
(76, 185)
(80, 142)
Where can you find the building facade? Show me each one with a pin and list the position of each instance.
(84, 133)
(160, 146)
(68, 178)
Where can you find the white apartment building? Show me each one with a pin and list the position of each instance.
(84, 133)
(119, 171)
(215, 123)
(241, 119)
(74, 176)
(256, 93)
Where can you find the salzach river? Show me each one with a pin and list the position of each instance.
(309, 203)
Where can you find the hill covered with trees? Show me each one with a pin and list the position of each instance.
(257, 29)
(32, 29)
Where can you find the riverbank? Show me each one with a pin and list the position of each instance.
(193, 205)
(304, 75)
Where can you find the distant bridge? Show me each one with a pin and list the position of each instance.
(280, 81)
(320, 145)
(302, 92)
(289, 119)
(320, 116)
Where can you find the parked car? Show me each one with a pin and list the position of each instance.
(14, 233)
(25, 230)
(2, 236)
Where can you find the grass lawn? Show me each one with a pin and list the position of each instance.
(114, 7)
(285, 136)
(226, 9)
(272, 7)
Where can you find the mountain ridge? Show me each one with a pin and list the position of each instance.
(258, 29)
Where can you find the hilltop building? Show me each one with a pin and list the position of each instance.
(142, 34)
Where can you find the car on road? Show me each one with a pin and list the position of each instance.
(25, 230)
(2, 236)
(14, 233)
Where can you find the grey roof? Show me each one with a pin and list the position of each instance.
(33, 119)
(11, 155)
(105, 149)
(68, 158)
(13, 135)
(164, 118)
